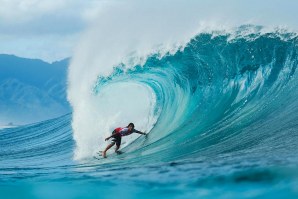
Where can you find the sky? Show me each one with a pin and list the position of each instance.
(49, 29)
(44, 29)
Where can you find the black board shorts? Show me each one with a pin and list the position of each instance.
(116, 139)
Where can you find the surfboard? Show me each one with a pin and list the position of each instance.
(99, 153)
(97, 158)
(118, 153)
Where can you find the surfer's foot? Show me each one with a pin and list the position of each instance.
(104, 154)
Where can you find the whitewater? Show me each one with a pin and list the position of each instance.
(219, 105)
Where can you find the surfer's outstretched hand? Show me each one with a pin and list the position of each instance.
(107, 139)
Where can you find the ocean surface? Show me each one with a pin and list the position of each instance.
(222, 120)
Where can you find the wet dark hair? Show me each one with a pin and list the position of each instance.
(131, 124)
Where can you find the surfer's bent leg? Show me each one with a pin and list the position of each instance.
(104, 153)
(118, 143)
(117, 148)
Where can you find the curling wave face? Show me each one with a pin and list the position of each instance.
(221, 93)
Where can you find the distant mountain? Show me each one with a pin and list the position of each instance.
(31, 90)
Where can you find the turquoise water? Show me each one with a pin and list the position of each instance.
(227, 127)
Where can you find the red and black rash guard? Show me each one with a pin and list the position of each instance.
(123, 131)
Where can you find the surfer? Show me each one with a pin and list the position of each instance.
(117, 134)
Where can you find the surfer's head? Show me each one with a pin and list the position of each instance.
(130, 126)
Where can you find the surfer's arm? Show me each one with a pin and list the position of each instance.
(139, 132)
(108, 138)
(114, 132)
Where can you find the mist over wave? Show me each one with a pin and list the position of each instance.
(104, 47)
